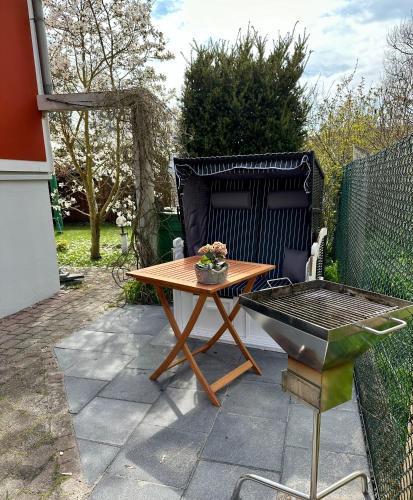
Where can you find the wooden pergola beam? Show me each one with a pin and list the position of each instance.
(86, 101)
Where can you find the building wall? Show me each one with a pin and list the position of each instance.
(28, 267)
(28, 262)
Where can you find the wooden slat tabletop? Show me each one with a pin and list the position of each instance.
(180, 274)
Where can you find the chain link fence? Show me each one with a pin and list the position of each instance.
(374, 248)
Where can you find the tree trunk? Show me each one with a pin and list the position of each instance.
(95, 238)
(146, 232)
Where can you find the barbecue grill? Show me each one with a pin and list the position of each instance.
(323, 327)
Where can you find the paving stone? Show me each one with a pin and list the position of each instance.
(89, 340)
(271, 364)
(183, 409)
(215, 480)
(221, 351)
(150, 357)
(257, 400)
(109, 420)
(333, 466)
(243, 440)
(159, 455)
(120, 488)
(102, 366)
(212, 368)
(340, 430)
(80, 391)
(224, 352)
(139, 321)
(95, 458)
(68, 357)
(133, 385)
(165, 337)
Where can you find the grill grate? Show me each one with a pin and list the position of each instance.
(325, 308)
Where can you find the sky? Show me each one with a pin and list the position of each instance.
(343, 34)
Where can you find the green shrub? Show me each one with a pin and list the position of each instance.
(141, 293)
(331, 272)
(62, 245)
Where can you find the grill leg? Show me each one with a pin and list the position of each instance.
(346, 480)
(266, 482)
(315, 456)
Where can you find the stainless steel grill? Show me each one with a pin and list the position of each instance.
(323, 327)
(326, 308)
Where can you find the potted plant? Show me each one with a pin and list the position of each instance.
(212, 268)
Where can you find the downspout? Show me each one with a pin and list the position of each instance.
(37, 17)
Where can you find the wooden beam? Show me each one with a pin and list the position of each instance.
(86, 100)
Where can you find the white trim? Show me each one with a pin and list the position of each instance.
(37, 66)
(24, 166)
(25, 176)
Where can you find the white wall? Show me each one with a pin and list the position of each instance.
(28, 262)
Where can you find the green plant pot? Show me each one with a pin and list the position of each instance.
(210, 276)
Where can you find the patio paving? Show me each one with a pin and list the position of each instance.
(147, 440)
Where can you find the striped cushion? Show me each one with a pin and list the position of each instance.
(281, 228)
(258, 234)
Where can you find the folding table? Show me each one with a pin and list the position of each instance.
(180, 275)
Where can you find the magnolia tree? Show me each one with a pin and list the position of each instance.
(105, 45)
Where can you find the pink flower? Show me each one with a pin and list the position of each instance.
(205, 249)
(220, 249)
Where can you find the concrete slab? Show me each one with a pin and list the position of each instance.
(183, 409)
(160, 455)
(68, 357)
(86, 340)
(133, 385)
(164, 338)
(109, 421)
(220, 351)
(340, 430)
(333, 466)
(271, 364)
(95, 458)
(119, 343)
(121, 488)
(149, 357)
(103, 366)
(256, 400)
(80, 391)
(243, 440)
(140, 320)
(212, 368)
(169, 441)
(215, 480)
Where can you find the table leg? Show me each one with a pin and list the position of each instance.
(228, 325)
(181, 343)
(214, 339)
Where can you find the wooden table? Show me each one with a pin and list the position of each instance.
(180, 275)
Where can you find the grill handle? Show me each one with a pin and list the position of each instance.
(269, 282)
(400, 324)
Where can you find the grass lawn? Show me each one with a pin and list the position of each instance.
(73, 246)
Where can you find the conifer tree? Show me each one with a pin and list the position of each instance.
(244, 98)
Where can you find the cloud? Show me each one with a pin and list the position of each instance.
(339, 40)
(373, 10)
(165, 7)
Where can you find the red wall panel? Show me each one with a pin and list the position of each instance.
(21, 134)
